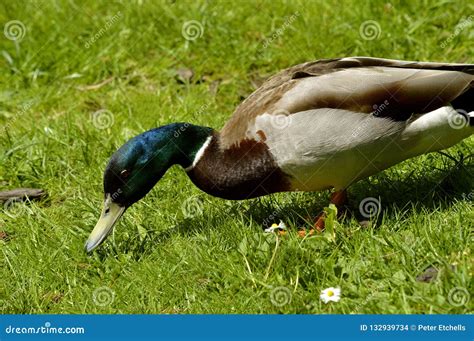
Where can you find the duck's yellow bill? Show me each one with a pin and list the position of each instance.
(109, 216)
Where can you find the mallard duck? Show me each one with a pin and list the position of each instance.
(319, 125)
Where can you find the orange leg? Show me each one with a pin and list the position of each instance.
(338, 198)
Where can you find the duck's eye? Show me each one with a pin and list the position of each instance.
(125, 173)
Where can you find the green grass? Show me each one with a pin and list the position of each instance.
(159, 260)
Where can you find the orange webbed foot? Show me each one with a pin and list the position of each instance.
(339, 199)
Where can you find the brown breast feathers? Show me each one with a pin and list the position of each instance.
(240, 172)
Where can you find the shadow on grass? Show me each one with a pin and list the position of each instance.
(425, 187)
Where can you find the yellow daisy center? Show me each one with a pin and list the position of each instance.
(330, 293)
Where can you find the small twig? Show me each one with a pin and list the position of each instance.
(296, 280)
(95, 86)
(20, 194)
(272, 259)
(250, 271)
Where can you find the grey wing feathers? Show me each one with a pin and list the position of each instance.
(358, 84)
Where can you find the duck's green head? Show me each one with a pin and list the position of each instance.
(137, 166)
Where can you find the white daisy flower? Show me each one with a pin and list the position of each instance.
(330, 294)
(280, 227)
